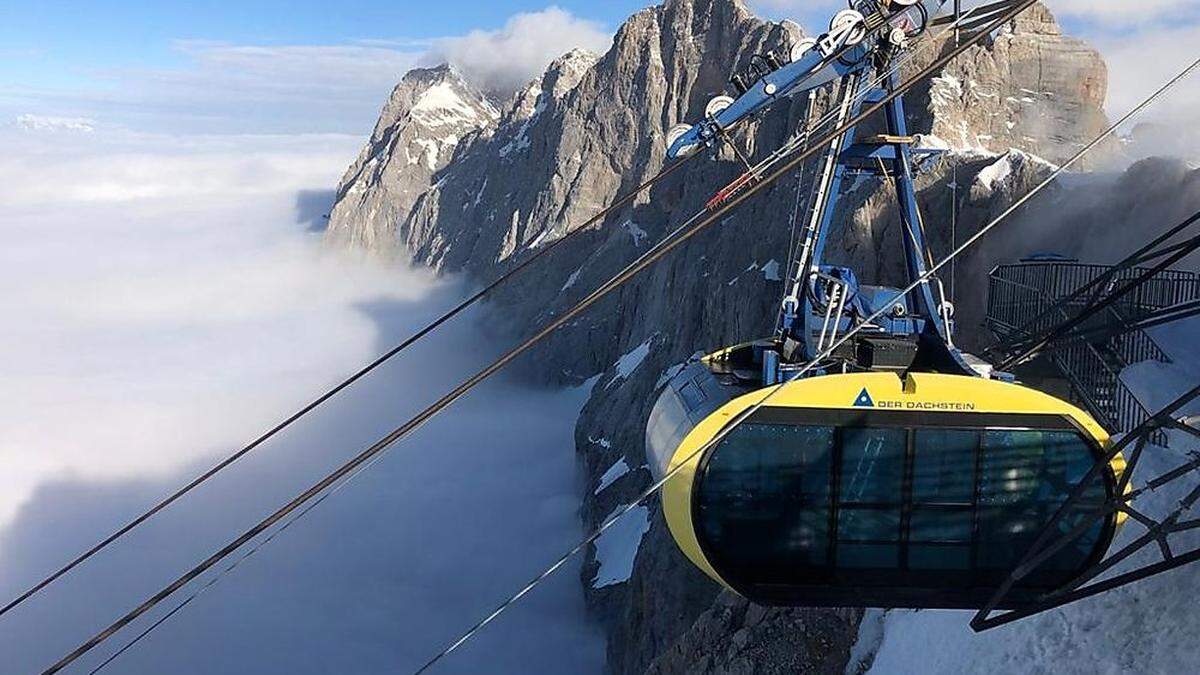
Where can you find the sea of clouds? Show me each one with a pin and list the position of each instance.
(167, 298)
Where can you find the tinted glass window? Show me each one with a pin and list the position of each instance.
(868, 538)
(1026, 476)
(942, 524)
(1013, 468)
(873, 465)
(898, 507)
(765, 502)
(944, 466)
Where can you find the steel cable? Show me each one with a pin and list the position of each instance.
(650, 257)
(771, 392)
(344, 384)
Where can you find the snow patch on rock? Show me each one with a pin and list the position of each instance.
(620, 468)
(572, 279)
(630, 362)
(443, 104)
(639, 235)
(771, 271)
(602, 442)
(617, 548)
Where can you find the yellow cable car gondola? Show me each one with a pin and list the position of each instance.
(857, 458)
(876, 490)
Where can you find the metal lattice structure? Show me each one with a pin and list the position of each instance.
(1077, 516)
(1090, 320)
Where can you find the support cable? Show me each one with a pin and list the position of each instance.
(320, 400)
(300, 514)
(228, 461)
(741, 417)
(682, 235)
(208, 585)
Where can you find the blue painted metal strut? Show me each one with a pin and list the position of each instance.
(815, 312)
(833, 56)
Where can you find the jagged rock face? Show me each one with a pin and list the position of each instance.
(1030, 88)
(428, 114)
(592, 128)
(735, 637)
(588, 131)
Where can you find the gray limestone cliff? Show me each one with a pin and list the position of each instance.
(428, 114)
(1031, 88)
(591, 128)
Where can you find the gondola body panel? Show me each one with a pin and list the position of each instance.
(876, 490)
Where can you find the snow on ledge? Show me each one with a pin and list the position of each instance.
(620, 468)
(771, 271)
(442, 104)
(571, 279)
(630, 362)
(617, 548)
(998, 172)
(635, 231)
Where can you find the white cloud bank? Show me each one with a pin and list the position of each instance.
(43, 123)
(150, 286)
(508, 57)
(161, 306)
(1141, 62)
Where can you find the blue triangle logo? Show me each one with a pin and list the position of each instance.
(864, 400)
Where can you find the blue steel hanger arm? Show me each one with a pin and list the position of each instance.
(813, 63)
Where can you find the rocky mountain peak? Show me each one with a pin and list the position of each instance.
(1029, 87)
(441, 97)
(560, 78)
(565, 72)
(426, 90)
(427, 115)
(1038, 20)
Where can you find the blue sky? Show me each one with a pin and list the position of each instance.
(42, 39)
(270, 66)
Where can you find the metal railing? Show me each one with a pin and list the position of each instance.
(1060, 279)
(1021, 294)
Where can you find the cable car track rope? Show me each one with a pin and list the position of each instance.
(829, 116)
(737, 420)
(384, 358)
(681, 235)
(343, 385)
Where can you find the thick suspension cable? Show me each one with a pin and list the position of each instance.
(343, 385)
(771, 392)
(645, 261)
(208, 585)
(462, 306)
(829, 116)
